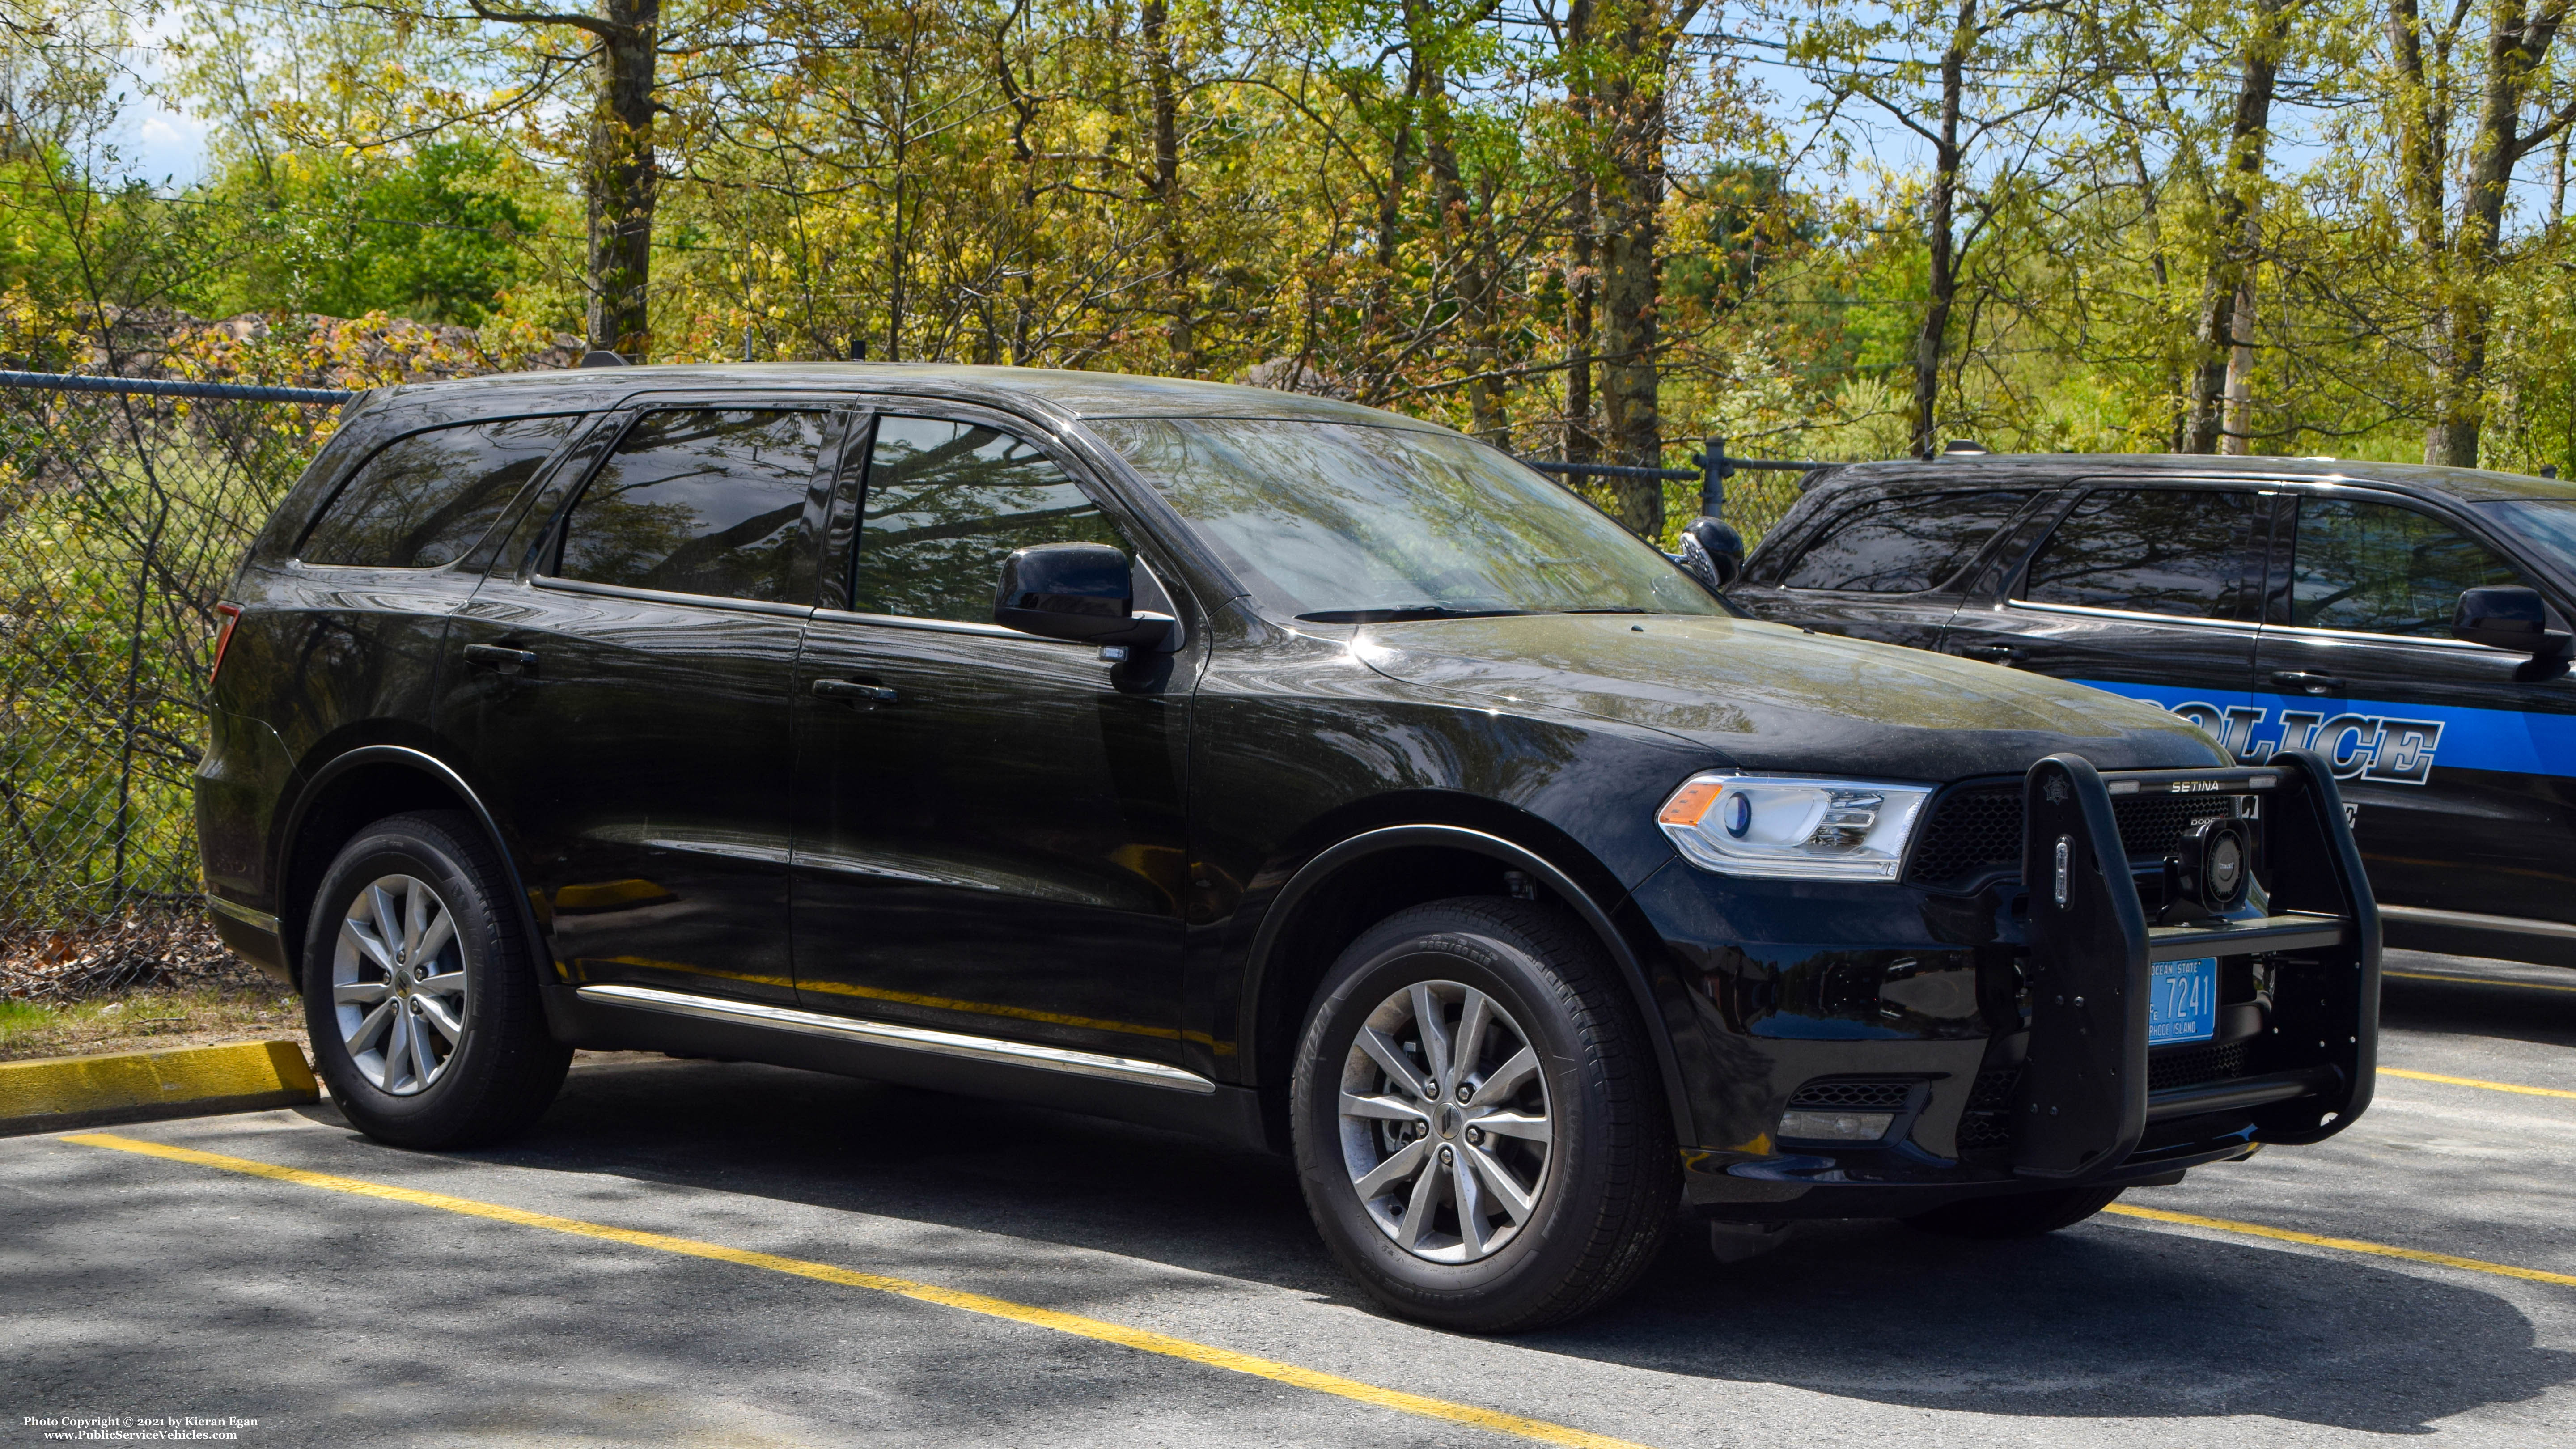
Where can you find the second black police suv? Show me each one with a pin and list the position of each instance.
(1248, 764)
(2407, 623)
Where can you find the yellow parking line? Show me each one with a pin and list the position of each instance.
(2348, 1245)
(2476, 981)
(1048, 1318)
(2474, 1082)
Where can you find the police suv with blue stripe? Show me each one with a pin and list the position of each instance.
(2408, 623)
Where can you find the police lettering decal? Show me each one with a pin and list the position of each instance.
(2373, 740)
(2398, 751)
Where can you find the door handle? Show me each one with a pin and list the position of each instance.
(855, 692)
(501, 658)
(1992, 653)
(2306, 683)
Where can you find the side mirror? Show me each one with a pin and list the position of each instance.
(1712, 552)
(2508, 616)
(1076, 591)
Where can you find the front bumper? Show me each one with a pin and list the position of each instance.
(2008, 1030)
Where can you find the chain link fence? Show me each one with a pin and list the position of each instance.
(136, 463)
(1757, 499)
(121, 517)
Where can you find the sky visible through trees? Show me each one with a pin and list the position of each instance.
(1596, 229)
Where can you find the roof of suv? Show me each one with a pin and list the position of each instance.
(1070, 395)
(2468, 485)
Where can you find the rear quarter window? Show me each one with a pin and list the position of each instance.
(1907, 544)
(423, 500)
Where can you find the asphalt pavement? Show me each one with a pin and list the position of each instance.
(715, 1254)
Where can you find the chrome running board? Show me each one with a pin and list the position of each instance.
(905, 1038)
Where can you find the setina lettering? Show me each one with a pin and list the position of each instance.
(2358, 747)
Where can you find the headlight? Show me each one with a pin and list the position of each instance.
(1763, 825)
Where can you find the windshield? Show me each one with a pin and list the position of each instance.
(1343, 523)
(2547, 524)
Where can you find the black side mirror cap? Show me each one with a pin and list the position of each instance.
(1712, 552)
(2511, 617)
(1080, 592)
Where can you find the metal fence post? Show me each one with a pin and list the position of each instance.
(1712, 479)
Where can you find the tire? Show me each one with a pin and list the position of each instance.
(1596, 1197)
(2023, 1215)
(439, 1048)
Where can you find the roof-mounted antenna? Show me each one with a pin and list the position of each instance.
(601, 357)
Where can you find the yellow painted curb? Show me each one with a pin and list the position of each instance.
(54, 1093)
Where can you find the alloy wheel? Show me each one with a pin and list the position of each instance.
(1445, 1123)
(398, 984)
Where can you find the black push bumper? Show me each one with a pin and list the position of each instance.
(2085, 1102)
(2090, 1101)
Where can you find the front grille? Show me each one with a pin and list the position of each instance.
(1972, 831)
(2153, 825)
(1987, 1124)
(1977, 831)
(2190, 1066)
(1985, 1131)
(1880, 1096)
(1994, 1090)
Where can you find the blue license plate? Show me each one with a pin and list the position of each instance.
(2182, 1001)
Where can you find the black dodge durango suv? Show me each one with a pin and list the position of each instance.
(1246, 764)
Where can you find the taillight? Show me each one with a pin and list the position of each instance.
(223, 638)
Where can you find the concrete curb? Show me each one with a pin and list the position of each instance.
(55, 1094)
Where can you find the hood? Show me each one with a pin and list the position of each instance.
(1774, 697)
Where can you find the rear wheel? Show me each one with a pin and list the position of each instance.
(418, 992)
(2022, 1215)
(1478, 1127)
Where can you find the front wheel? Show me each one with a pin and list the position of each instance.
(418, 992)
(1479, 1129)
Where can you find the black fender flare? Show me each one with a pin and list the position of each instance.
(1542, 872)
(425, 763)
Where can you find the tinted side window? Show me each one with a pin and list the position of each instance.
(2383, 569)
(2154, 551)
(422, 501)
(946, 502)
(1902, 545)
(700, 501)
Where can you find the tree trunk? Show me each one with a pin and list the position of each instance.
(1024, 114)
(1462, 241)
(2235, 435)
(1632, 271)
(1182, 331)
(621, 182)
(1582, 275)
(2558, 187)
(2216, 334)
(1940, 210)
(2513, 62)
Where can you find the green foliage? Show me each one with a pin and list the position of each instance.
(436, 233)
(19, 1018)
